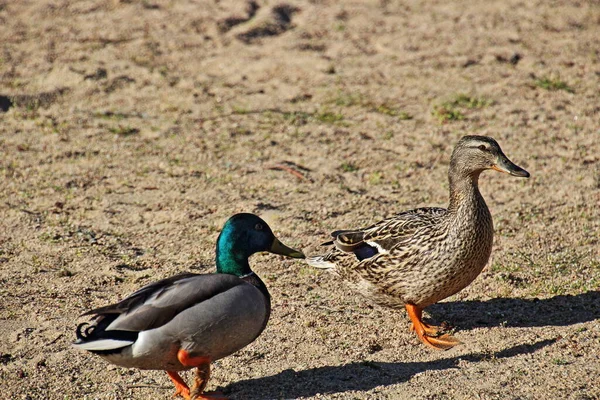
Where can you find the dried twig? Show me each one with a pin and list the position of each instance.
(55, 340)
(148, 386)
(291, 170)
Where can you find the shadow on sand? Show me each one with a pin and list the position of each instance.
(361, 376)
(555, 311)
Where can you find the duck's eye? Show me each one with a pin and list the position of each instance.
(258, 227)
(483, 147)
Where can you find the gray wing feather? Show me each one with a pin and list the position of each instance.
(158, 303)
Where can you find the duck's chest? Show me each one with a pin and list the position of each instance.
(464, 253)
(470, 243)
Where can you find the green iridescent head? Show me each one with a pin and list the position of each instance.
(243, 235)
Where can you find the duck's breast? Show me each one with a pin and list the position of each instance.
(461, 258)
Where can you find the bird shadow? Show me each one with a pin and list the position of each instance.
(559, 310)
(356, 376)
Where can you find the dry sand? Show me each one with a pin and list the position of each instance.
(130, 131)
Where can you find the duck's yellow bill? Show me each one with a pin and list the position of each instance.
(279, 248)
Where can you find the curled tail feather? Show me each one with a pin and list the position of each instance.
(320, 262)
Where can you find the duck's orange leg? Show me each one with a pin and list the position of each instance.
(202, 365)
(180, 386)
(429, 334)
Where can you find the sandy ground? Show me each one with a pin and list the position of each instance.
(130, 131)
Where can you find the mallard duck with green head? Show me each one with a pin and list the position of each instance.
(190, 320)
(419, 257)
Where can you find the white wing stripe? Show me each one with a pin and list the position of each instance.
(104, 344)
(380, 249)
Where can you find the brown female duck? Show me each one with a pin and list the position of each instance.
(419, 257)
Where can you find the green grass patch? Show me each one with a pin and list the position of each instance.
(124, 130)
(392, 112)
(466, 101)
(240, 110)
(328, 117)
(454, 109)
(376, 178)
(348, 167)
(297, 117)
(110, 115)
(553, 84)
(445, 113)
(345, 99)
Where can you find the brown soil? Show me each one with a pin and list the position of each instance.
(130, 131)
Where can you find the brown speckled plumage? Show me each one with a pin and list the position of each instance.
(422, 256)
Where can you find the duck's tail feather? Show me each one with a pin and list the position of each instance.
(103, 345)
(320, 262)
(93, 337)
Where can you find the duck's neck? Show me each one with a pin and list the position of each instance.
(464, 192)
(230, 259)
(470, 224)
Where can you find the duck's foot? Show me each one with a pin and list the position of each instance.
(202, 377)
(430, 335)
(181, 389)
(202, 365)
